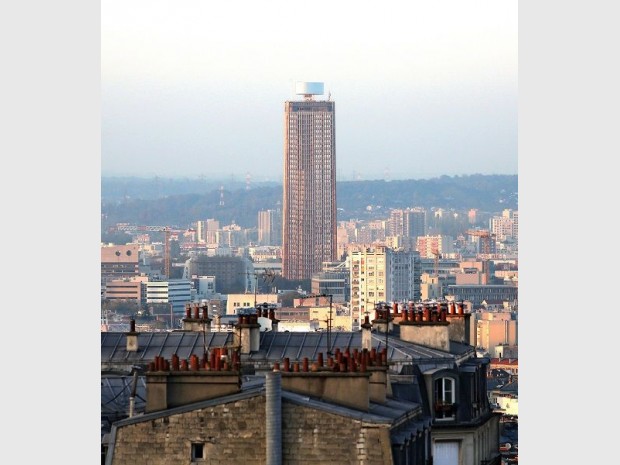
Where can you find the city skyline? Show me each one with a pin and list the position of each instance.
(192, 90)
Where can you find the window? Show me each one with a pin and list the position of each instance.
(446, 453)
(198, 451)
(444, 398)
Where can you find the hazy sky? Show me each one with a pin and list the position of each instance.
(196, 88)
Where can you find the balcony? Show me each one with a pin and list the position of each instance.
(445, 410)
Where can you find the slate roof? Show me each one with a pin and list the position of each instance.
(115, 393)
(274, 346)
(510, 388)
(252, 386)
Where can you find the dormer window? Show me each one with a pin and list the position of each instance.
(445, 396)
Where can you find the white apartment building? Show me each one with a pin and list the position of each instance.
(381, 274)
(177, 292)
(235, 302)
(506, 226)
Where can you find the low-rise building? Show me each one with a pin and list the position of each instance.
(175, 292)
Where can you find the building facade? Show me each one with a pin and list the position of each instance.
(119, 262)
(428, 399)
(309, 194)
(506, 227)
(269, 227)
(235, 302)
(334, 281)
(426, 245)
(380, 274)
(496, 328)
(124, 289)
(232, 274)
(410, 222)
(176, 292)
(476, 294)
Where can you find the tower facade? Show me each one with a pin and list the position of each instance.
(309, 194)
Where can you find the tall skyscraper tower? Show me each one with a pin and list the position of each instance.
(309, 201)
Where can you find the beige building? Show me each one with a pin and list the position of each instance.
(119, 261)
(206, 230)
(125, 289)
(427, 244)
(235, 302)
(476, 272)
(340, 317)
(495, 328)
(430, 287)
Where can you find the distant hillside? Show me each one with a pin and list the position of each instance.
(179, 202)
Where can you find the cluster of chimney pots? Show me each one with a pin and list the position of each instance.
(341, 361)
(419, 313)
(220, 359)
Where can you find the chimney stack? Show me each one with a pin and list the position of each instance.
(132, 337)
(273, 414)
(181, 382)
(366, 334)
(460, 323)
(247, 334)
(427, 327)
(274, 320)
(342, 383)
(383, 320)
(197, 322)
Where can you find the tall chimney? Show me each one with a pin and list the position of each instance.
(132, 337)
(274, 320)
(460, 323)
(366, 334)
(273, 414)
(132, 395)
(247, 334)
(383, 321)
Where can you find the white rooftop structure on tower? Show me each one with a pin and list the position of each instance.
(308, 89)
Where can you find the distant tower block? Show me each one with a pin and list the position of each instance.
(308, 89)
(221, 195)
(309, 184)
(248, 178)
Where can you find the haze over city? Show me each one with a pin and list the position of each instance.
(421, 90)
